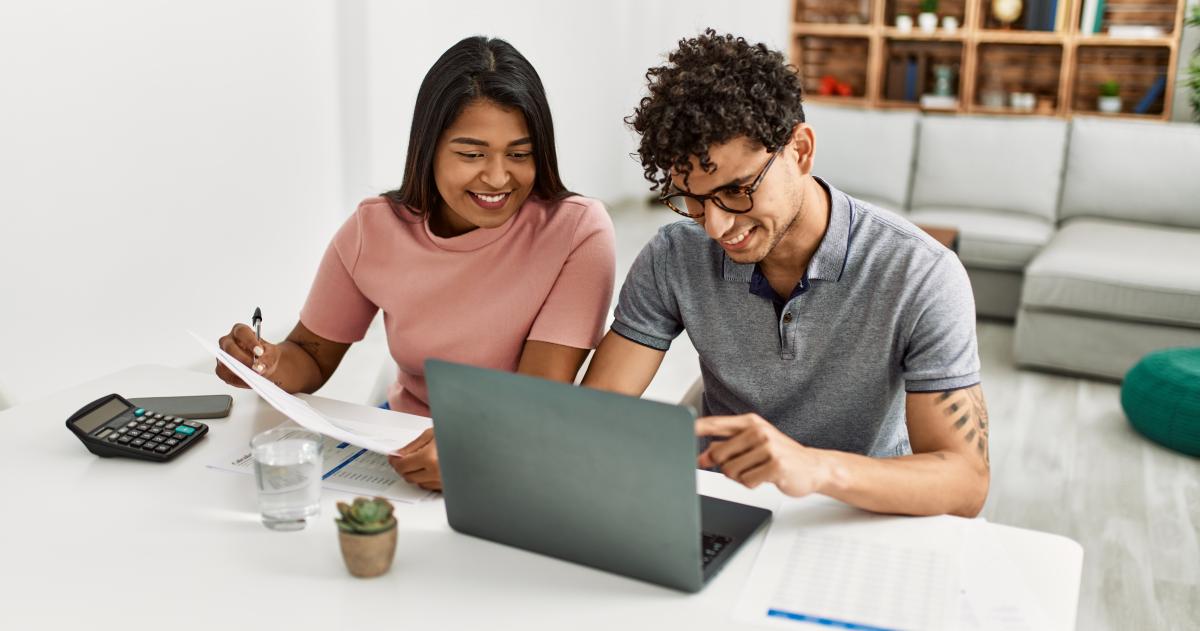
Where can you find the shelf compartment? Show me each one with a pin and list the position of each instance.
(1004, 69)
(1037, 16)
(833, 11)
(1155, 13)
(843, 58)
(909, 70)
(1136, 71)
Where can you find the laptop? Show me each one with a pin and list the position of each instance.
(591, 477)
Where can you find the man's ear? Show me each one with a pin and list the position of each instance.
(805, 143)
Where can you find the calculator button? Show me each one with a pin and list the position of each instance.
(124, 439)
(149, 446)
(112, 438)
(160, 423)
(123, 430)
(185, 430)
(134, 433)
(170, 426)
(171, 442)
(162, 449)
(140, 411)
(131, 424)
(157, 415)
(137, 442)
(143, 427)
(168, 418)
(191, 423)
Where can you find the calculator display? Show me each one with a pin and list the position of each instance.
(101, 415)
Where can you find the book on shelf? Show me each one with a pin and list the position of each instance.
(1087, 19)
(1098, 22)
(910, 80)
(1135, 31)
(1152, 95)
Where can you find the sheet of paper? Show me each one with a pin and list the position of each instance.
(827, 564)
(345, 467)
(994, 596)
(304, 414)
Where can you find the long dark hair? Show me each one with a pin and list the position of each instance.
(475, 68)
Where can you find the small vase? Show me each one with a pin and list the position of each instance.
(927, 22)
(904, 23)
(1109, 104)
(368, 555)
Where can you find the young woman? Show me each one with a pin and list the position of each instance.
(482, 256)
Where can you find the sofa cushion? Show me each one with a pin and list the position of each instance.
(1133, 171)
(990, 239)
(994, 163)
(866, 153)
(1119, 270)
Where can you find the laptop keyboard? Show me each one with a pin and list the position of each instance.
(711, 545)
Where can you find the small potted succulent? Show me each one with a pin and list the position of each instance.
(1110, 97)
(927, 19)
(367, 534)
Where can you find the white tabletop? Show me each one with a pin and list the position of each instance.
(119, 543)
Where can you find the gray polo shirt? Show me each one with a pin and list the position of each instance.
(883, 308)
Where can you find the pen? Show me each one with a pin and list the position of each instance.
(256, 321)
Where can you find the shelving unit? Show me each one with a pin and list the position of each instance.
(857, 43)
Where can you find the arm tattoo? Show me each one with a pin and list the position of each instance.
(972, 423)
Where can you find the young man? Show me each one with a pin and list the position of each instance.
(836, 340)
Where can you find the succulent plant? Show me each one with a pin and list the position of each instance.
(1110, 88)
(928, 6)
(366, 516)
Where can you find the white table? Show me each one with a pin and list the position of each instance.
(118, 543)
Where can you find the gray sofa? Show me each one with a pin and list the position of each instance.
(1086, 232)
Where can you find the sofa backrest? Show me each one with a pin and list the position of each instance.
(1133, 170)
(866, 153)
(990, 162)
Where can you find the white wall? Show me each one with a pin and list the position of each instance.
(592, 57)
(163, 166)
(170, 166)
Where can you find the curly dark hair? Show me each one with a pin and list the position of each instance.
(714, 88)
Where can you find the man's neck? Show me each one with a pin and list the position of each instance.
(787, 262)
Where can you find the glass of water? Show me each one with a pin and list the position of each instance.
(287, 467)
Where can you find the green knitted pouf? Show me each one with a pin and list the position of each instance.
(1161, 397)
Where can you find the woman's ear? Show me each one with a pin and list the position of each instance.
(804, 142)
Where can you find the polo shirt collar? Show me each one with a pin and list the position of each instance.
(829, 261)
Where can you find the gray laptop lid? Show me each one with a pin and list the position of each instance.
(592, 477)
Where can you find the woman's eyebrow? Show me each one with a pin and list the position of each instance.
(464, 140)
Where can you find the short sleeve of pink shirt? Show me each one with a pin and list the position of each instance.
(545, 275)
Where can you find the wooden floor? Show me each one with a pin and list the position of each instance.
(1064, 460)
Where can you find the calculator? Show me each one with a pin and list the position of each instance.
(111, 426)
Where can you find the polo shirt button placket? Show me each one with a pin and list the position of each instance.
(786, 336)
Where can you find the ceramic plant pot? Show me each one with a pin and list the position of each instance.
(1109, 104)
(368, 555)
(927, 22)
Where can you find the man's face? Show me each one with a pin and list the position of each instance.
(751, 236)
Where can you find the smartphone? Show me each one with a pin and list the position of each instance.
(203, 406)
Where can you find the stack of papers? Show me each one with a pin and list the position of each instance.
(354, 450)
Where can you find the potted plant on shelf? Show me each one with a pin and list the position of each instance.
(927, 19)
(367, 534)
(1110, 97)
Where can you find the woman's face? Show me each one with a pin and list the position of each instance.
(484, 168)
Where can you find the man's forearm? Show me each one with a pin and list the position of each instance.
(932, 483)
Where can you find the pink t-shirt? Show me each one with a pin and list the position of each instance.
(545, 275)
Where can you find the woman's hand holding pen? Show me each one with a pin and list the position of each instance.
(243, 344)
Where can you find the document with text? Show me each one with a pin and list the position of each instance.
(834, 566)
(345, 467)
(380, 438)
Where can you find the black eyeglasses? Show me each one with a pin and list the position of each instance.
(732, 199)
